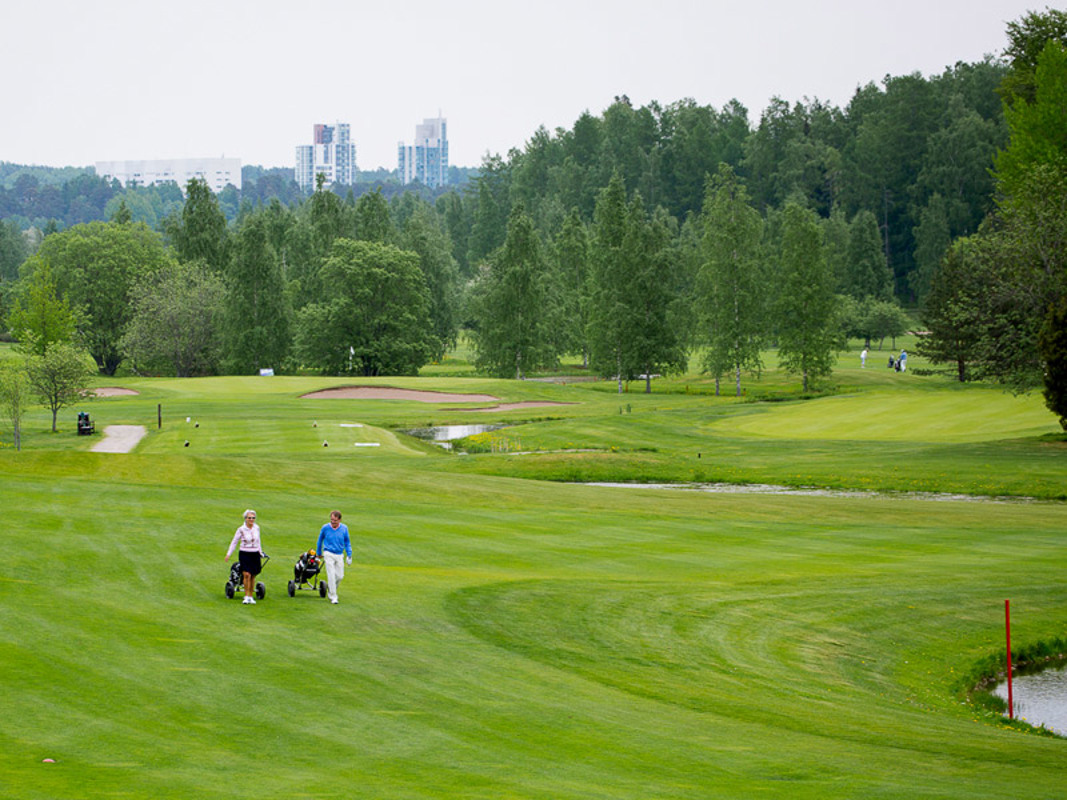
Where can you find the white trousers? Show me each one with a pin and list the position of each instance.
(335, 572)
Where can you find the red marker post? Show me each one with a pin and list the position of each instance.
(1007, 632)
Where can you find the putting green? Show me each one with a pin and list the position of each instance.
(904, 417)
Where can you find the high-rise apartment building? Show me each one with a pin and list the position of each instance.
(332, 154)
(216, 172)
(425, 161)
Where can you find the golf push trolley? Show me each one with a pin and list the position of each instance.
(306, 575)
(236, 582)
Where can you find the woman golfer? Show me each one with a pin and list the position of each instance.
(249, 554)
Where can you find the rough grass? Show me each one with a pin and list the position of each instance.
(506, 637)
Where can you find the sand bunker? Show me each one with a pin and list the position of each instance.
(392, 393)
(524, 404)
(120, 438)
(422, 396)
(112, 391)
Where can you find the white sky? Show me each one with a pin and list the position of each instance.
(96, 80)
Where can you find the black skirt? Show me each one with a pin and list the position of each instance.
(250, 561)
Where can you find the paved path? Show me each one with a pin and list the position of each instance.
(120, 438)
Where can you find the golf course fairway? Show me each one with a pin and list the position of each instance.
(507, 631)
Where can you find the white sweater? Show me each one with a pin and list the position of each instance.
(248, 539)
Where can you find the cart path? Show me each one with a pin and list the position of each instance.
(120, 438)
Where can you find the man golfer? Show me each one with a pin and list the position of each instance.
(333, 545)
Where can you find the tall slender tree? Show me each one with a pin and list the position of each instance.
(608, 320)
(491, 204)
(199, 231)
(868, 273)
(257, 313)
(955, 306)
(808, 329)
(656, 343)
(731, 283)
(632, 328)
(513, 305)
(14, 395)
(932, 238)
(329, 220)
(455, 213)
(573, 261)
(423, 235)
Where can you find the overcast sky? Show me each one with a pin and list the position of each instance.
(96, 80)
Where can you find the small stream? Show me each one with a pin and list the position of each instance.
(1040, 698)
(765, 488)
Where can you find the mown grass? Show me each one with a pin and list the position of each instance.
(503, 635)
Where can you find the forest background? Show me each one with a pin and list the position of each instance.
(898, 150)
(635, 238)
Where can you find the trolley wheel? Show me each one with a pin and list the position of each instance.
(261, 591)
(229, 590)
(322, 589)
(292, 589)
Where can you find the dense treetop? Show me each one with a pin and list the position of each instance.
(897, 148)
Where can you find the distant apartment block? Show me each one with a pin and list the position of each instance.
(331, 153)
(425, 161)
(216, 172)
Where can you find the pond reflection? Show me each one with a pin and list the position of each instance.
(444, 435)
(1040, 698)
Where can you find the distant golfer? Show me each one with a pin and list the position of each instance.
(863, 357)
(333, 545)
(249, 555)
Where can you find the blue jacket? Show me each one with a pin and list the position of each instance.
(334, 540)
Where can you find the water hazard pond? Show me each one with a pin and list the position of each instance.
(1040, 698)
(444, 435)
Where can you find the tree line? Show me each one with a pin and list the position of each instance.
(913, 151)
(633, 238)
(46, 199)
(369, 287)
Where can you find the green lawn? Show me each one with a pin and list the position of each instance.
(504, 634)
